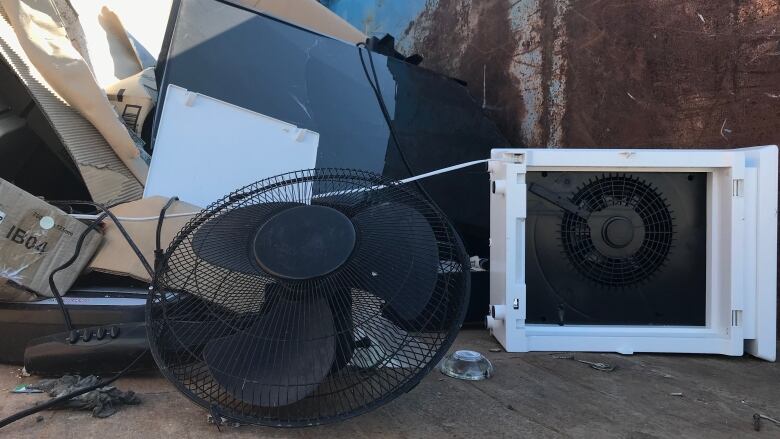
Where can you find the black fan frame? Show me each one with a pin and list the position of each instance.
(157, 288)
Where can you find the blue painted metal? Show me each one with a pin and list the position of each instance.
(378, 17)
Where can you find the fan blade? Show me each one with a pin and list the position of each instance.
(558, 200)
(225, 240)
(397, 258)
(281, 359)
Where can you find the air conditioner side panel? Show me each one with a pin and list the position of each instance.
(507, 250)
(498, 253)
(764, 345)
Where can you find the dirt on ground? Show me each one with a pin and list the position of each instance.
(531, 395)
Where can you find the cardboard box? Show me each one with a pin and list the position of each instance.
(116, 256)
(36, 238)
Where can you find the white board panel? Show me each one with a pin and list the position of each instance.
(206, 148)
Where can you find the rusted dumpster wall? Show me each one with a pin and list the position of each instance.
(679, 73)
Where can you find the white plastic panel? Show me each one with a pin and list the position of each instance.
(206, 148)
(751, 218)
(761, 278)
(741, 252)
(507, 284)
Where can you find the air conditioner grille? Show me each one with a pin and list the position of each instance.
(628, 236)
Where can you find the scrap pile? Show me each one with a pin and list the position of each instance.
(116, 152)
(283, 216)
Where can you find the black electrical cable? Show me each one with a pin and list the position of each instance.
(106, 213)
(69, 262)
(52, 285)
(119, 226)
(161, 219)
(375, 87)
(158, 251)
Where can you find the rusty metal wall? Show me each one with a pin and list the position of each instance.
(577, 73)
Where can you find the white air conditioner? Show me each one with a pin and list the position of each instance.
(634, 250)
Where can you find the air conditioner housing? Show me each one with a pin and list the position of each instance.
(664, 250)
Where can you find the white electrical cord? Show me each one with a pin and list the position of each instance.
(133, 218)
(448, 169)
(404, 181)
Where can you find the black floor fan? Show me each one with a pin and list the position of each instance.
(308, 298)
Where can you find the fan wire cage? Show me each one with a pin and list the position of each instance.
(625, 196)
(308, 298)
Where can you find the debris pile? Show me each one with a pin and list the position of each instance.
(103, 402)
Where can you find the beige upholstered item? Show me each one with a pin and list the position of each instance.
(45, 42)
(107, 178)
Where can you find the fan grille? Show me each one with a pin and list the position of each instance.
(618, 191)
(202, 308)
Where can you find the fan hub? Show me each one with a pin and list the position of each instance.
(617, 231)
(304, 242)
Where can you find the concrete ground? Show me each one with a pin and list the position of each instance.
(531, 395)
